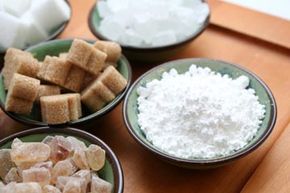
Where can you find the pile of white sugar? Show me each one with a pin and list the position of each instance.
(146, 23)
(199, 114)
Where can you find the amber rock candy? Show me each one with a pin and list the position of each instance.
(96, 157)
(72, 187)
(47, 165)
(50, 189)
(80, 159)
(24, 165)
(63, 168)
(60, 148)
(62, 181)
(84, 174)
(13, 176)
(39, 175)
(76, 143)
(30, 187)
(30, 152)
(5, 162)
(99, 185)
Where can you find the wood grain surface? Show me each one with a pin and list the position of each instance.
(144, 173)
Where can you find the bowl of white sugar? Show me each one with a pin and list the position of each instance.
(28, 22)
(149, 31)
(199, 113)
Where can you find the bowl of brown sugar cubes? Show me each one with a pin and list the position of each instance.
(45, 160)
(63, 82)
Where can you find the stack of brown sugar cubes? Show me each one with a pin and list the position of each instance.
(86, 74)
(20, 71)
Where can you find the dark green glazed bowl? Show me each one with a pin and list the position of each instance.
(148, 54)
(53, 48)
(111, 172)
(52, 34)
(266, 98)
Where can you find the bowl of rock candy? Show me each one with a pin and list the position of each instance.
(46, 160)
(149, 31)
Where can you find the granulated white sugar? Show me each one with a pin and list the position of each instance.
(199, 114)
(151, 23)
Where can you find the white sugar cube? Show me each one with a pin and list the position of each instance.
(34, 33)
(65, 8)
(16, 7)
(50, 13)
(11, 31)
(1, 5)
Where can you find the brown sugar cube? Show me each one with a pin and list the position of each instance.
(18, 61)
(62, 108)
(23, 87)
(79, 53)
(92, 101)
(88, 79)
(54, 109)
(102, 91)
(63, 55)
(54, 70)
(113, 80)
(85, 56)
(42, 68)
(74, 103)
(47, 90)
(96, 62)
(74, 79)
(97, 95)
(112, 49)
(17, 105)
(110, 64)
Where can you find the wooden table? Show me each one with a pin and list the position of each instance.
(236, 35)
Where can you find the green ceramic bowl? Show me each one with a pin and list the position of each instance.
(148, 54)
(111, 172)
(54, 32)
(130, 110)
(54, 48)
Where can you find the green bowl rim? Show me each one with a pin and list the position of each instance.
(54, 34)
(189, 162)
(110, 155)
(109, 107)
(149, 49)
